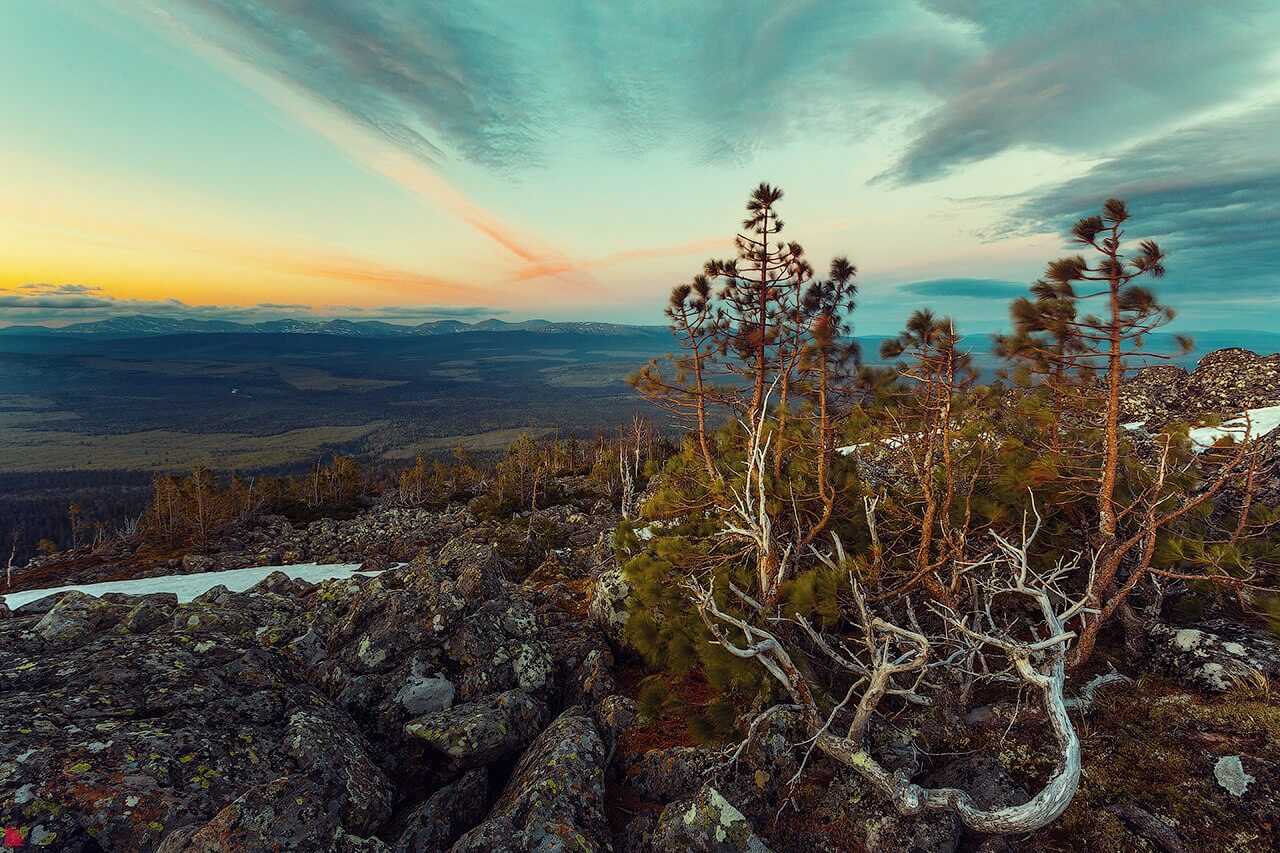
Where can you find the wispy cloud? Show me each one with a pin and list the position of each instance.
(499, 84)
(965, 288)
(1210, 194)
(349, 74)
(59, 304)
(59, 289)
(1085, 76)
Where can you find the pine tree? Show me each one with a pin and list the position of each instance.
(688, 393)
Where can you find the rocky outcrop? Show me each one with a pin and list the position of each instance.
(1154, 395)
(300, 716)
(609, 603)
(1231, 380)
(705, 823)
(481, 732)
(1215, 656)
(1224, 381)
(121, 729)
(293, 813)
(555, 797)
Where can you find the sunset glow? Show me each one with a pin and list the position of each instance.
(250, 159)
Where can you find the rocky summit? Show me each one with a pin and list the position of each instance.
(1223, 381)
(396, 712)
(480, 696)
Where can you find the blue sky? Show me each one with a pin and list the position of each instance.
(574, 159)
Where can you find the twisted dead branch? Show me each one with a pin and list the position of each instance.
(885, 659)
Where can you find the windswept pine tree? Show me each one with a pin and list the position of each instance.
(880, 540)
(689, 392)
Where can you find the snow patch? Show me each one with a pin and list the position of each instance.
(187, 587)
(1260, 422)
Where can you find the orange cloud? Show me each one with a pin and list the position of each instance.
(373, 152)
(148, 257)
(563, 267)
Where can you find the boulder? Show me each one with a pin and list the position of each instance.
(114, 744)
(614, 715)
(930, 832)
(705, 823)
(421, 695)
(40, 606)
(279, 583)
(1214, 656)
(197, 563)
(663, 775)
(609, 604)
(446, 814)
(75, 618)
(325, 734)
(292, 813)
(484, 731)
(144, 618)
(555, 797)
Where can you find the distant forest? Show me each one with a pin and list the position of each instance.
(35, 506)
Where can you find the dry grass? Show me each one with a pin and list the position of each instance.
(497, 439)
(167, 450)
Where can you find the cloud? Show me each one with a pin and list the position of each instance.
(1082, 77)
(23, 306)
(501, 86)
(53, 302)
(1208, 193)
(965, 288)
(60, 289)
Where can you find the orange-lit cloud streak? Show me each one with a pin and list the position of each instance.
(376, 154)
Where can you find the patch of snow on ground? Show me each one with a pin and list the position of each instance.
(1261, 422)
(187, 587)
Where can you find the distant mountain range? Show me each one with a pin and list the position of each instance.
(140, 325)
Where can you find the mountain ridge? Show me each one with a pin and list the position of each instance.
(143, 325)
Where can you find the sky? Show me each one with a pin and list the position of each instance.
(410, 160)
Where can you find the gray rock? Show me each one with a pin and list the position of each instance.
(197, 563)
(663, 775)
(705, 823)
(484, 731)
(144, 618)
(75, 618)
(129, 737)
(155, 599)
(614, 715)
(638, 835)
(446, 814)
(324, 734)
(609, 604)
(932, 832)
(293, 813)
(422, 695)
(40, 606)
(555, 797)
(1214, 656)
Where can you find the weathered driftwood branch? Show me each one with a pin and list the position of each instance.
(887, 652)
